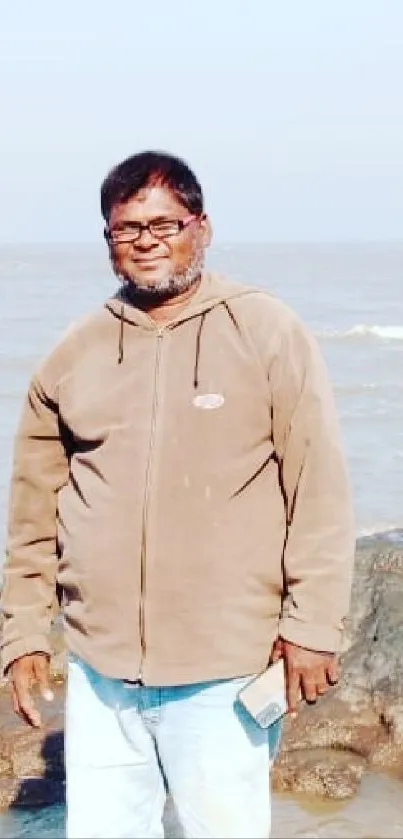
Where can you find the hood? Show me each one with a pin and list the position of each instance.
(214, 290)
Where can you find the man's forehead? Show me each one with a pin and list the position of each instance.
(151, 201)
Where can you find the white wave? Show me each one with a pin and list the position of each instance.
(389, 532)
(356, 389)
(362, 330)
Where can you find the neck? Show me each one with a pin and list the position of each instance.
(164, 309)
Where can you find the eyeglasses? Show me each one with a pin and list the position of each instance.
(158, 228)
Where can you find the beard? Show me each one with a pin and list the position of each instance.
(166, 288)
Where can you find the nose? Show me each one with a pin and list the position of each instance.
(145, 240)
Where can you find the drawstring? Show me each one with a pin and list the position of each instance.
(121, 329)
(198, 337)
(231, 315)
(198, 340)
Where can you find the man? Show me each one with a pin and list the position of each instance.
(178, 476)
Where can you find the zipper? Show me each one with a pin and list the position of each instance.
(160, 333)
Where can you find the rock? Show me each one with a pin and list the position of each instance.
(332, 725)
(6, 766)
(318, 772)
(363, 717)
(358, 726)
(38, 754)
(8, 792)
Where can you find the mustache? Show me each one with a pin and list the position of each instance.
(138, 292)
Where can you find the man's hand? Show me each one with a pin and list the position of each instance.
(306, 670)
(26, 673)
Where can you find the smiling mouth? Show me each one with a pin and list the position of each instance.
(148, 260)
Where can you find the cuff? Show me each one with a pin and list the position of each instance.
(17, 649)
(311, 636)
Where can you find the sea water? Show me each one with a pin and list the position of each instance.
(351, 298)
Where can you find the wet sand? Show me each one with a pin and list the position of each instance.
(376, 812)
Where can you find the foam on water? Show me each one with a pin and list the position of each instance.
(393, 534)
(362, 330)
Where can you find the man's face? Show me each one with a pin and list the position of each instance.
(155, 263)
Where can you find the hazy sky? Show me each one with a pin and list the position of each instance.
(290, 111)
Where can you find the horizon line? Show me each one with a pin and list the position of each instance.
(226, 243)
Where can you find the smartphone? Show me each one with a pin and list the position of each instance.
(264, 697)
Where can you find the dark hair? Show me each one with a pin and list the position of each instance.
(149, 167)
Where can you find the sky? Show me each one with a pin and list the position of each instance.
(291, 112)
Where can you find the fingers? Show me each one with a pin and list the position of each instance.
(308, 672)
(24, 674)
(314, 686)
(316, 682)
(309, 687)
(293, 681)
(24, 704)
(277, 651)
(16, 704)
(322, 685)
(41, 670)
(333, 671)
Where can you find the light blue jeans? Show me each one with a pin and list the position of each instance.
(128, 745)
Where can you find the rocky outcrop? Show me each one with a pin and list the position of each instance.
(325, 751)
(359, 725)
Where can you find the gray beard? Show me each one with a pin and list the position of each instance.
(170, 286)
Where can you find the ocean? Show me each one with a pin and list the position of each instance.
(350, 295)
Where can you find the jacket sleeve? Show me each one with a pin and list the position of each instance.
(40, 468)
(319, 549)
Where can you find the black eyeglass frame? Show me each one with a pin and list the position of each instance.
(138, 228)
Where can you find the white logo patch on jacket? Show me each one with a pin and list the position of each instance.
(208, 401)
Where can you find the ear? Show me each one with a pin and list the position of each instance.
(206, 230)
